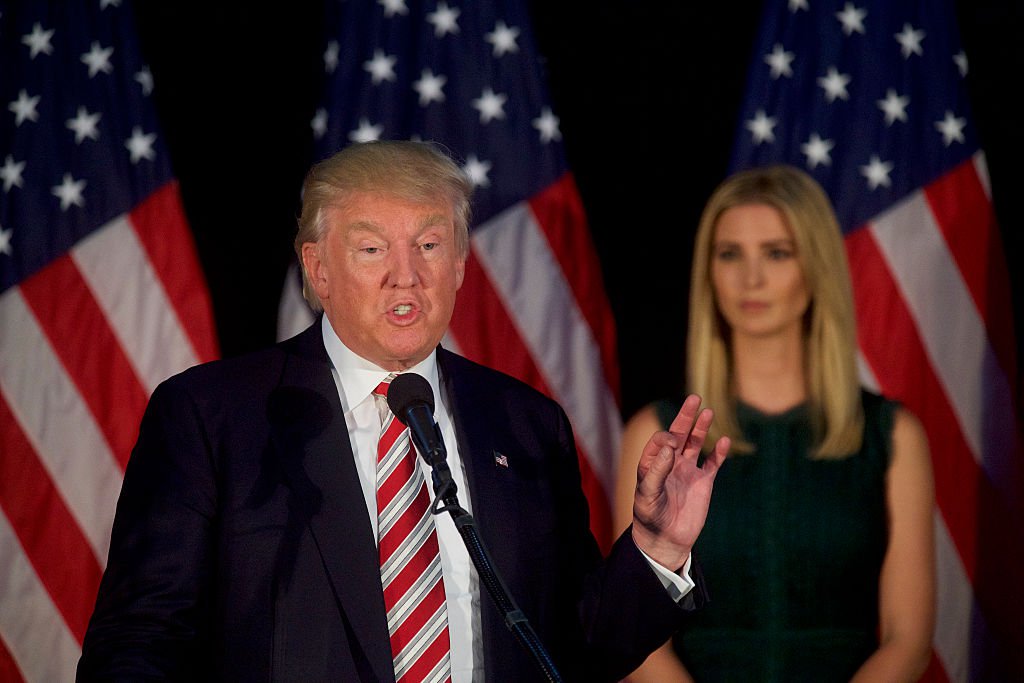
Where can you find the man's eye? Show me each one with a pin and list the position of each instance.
(370, 250)
(429, 246)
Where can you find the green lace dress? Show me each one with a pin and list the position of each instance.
(791, 552)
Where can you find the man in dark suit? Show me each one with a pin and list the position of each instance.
(245, 544)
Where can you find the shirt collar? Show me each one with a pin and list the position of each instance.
(359, 377)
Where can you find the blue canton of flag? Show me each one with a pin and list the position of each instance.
(466, 77)
(79, 142)
(870, 98)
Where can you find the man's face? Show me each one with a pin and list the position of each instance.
(386, 273)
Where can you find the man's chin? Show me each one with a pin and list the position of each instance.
(403, 357)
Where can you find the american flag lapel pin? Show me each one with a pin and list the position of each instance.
(500, 459)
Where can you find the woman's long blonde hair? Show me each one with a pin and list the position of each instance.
(833, 390)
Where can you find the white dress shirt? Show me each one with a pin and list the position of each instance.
(356, 379)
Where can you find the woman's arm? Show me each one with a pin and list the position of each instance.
(906, 593)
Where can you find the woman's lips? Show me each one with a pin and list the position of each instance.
(753, 306)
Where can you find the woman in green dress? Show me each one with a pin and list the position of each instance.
(818, 548)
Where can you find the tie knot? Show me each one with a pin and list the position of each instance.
(382, 388)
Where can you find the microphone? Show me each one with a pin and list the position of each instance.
(411, 399)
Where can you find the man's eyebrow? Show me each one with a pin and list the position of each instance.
(365, 226)
(435, 219)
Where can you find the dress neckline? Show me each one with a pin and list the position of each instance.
(748, 412)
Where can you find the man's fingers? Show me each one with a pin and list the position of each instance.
(654, 478)
(700, 430)
(718, 454)
(692, 424)
(658, 441)
(684, 419)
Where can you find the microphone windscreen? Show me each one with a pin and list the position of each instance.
(407, 390)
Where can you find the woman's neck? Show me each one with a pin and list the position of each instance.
(769, 372)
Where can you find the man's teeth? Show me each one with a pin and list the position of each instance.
(403, 309)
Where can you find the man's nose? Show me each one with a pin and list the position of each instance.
(402, 270)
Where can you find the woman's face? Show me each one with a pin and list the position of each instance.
(755, 273)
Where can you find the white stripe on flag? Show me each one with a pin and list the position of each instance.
(955, 604)
(935, 293)
(958, 619)
(293, 313)
(57, 422)
(981, 168)
(33, 630)
(117, 269)
(867, 376)
(1000, 453)
(515, 253)
(448, 342)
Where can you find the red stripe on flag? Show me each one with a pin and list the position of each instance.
(977, 517)
(9, 672)
(486, 334)
(87, 347)
(53, 542)
(935, 673)
(966, 218)
(884, 324)
(160, 223)
(559, 213)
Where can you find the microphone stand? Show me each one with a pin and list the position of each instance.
(445, 491)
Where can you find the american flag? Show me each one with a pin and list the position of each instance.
(869, 96)
(468, 75)
(101, 298)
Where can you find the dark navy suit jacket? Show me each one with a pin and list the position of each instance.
(242, 549)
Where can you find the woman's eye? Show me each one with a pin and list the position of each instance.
(727, 254)
(779, 254)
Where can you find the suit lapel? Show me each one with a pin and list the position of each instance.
(473, 425)
(312, 437)
(492, 488)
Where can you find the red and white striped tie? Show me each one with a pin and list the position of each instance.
(410, 564)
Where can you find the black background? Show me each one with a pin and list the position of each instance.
(647, 94)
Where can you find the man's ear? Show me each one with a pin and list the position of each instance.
(460, 273)
(315, 270)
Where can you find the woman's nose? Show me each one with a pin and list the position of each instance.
(752, 272)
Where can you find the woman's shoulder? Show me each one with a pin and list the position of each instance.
(874, 401)
(879, 410)
(888, 421)
(644, 422)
